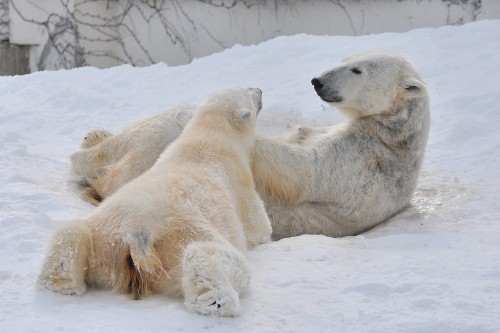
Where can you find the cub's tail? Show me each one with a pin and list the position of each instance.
(140, 269)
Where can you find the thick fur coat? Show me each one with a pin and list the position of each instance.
(345, 179)
(336, 181)
(182, 227)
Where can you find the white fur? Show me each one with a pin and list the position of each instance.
(338, 180)
(182, 226)
(347, 178)
(107, 161)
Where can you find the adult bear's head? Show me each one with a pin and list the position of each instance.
(370, 83)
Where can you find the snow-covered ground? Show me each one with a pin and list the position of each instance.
(433, 268)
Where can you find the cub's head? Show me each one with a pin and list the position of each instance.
(368, 84)
(233, 110)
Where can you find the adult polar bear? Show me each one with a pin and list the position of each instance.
(336, 181)
(182, 225)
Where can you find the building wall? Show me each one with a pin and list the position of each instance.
(102, 33)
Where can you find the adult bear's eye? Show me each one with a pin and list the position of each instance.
(356, 70)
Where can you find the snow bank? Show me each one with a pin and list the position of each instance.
(432, 268)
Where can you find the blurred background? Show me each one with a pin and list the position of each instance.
(55, 34)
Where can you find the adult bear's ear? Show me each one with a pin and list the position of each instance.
(413, 87)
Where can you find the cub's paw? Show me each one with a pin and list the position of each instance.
(60, 280)
(94, 138)
(66, 264)
(91, 195)
(223, 302)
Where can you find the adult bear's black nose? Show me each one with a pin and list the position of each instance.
(317, 85)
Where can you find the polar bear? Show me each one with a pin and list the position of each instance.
(182, 226)
(107, 161)
(345, 179)
(336, 180)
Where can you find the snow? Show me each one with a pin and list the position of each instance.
(433, 268)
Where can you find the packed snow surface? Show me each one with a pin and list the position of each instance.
(435, 267)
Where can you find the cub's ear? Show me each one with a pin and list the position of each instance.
(242, 118)
(245, 116)
(413, 87)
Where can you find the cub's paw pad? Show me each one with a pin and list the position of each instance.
(224, 303)
(216, 304)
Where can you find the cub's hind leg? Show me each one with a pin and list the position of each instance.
(65, 267)
(214, 277)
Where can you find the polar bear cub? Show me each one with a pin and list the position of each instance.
(181, 228)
